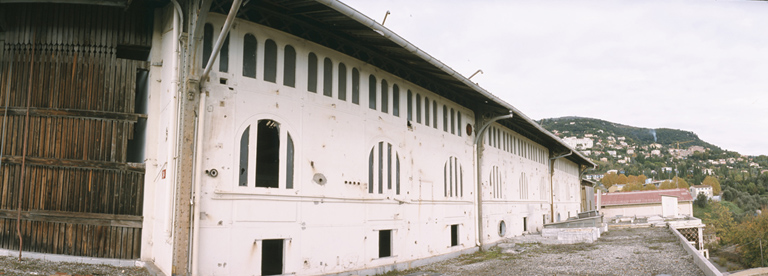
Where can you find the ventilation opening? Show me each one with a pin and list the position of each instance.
(223, 81)
(137, 145)
(132, 52)
(502, 228)
(525, 224)
(267, 154)
(454, 235)
(385, 243)
(272, 257)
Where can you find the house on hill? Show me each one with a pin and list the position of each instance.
(666, 203)
(695, 190)
(221, 137)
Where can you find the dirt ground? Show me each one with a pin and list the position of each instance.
(29, 266)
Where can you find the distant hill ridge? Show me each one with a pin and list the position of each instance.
(579, 126)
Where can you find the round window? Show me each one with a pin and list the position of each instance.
(469, 130)
(502, 228)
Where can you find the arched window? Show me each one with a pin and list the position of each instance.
(342, 82)
(453, 123)
(458, 122)
(270, 61)
(453, 178)
(268, 155)
(327, 77)
(224, 56)
(445, 118)
(523, 186)
(355, 86)
(289, 66)
(312, 72)
(418, 108)
(409, 104)
(207, 43)
(384, 96)
(249, 55)
(396, 100)
(434, 114)
(383, 169)
(496, 183)
(426, 110)
(372, 92)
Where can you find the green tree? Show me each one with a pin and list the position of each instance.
(721, 219)
(714, 183)
(752, 237)
(701, 200)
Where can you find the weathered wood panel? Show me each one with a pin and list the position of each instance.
(80, 196)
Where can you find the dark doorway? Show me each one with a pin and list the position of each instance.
(385, 243)
(454, 235)
(272, 257)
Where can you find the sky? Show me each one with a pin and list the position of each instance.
(695, 65)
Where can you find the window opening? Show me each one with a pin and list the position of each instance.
(445, 118)
(372, 92)
(312, 73)
(355, 86)
(224, 56)
(495, 178)
(370, 172)
(502, 228)
(289, 66)
(396, 100)
(523, 186)
(137, 145)
(434, 114)
(418, 108)
(207, 43)
(458, 123)
(384, 96)
(426, 111)
(270, 61)
(272, 257)
(342, 82)
(525, 224)
(452, 122)
(289, 163)
(267, 153)
(327, 77)
(409, 104)
(381, 168)
(249, 55)
(244, 141)
(385, 243)
(389, 166)
(397, 173)
(454, 235)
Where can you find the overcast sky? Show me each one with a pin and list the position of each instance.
(695, 65)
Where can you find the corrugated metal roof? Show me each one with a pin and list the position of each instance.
(324, 23)
(644, 197)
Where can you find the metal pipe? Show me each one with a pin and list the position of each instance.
(478, 185)
(24, 147)
(478, 71)
(220, 41)
(175, 116)
(365, 20)
(552, 184)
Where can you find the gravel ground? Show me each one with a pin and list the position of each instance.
(633, 251)
(28, 266)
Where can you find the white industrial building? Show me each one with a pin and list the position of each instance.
(320, 142)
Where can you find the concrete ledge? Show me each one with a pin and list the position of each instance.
(72, 259)
(407, 265)
(573, 235)
(707, 267)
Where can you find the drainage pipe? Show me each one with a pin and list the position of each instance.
(200, 136)
(552, 183)
(479, 184)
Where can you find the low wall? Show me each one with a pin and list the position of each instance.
(407, 265)
(707, 267)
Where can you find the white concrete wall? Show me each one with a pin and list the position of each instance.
(644, 210)
(567, 189)
(330, 227)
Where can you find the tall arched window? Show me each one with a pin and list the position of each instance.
(372, 92)
(355, 86)
(426, 110)
(289, 66)
(327, 77)
(434, 114)
(445, 118)
(342, 82)
(312, 72)
(270, 61)
(384, 96)
(418, 108)
(224, 56)
(409, 104)
(453, 178)
(396, 100)
(523, 186)
(383, 169)
(249, 55)
(497, 188)
(268, 155)
(458, 122)
(207, 43)
(453, 123)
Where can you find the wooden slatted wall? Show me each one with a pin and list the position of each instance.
(80, 195)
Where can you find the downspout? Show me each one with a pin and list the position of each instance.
(552, 184)
(175, 115)
(200, 136)
(478, 187)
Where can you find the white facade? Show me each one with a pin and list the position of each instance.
(337, 167)
(701, 189)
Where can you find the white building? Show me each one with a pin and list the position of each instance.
(695, 190)
(579, 143)
(296, 138)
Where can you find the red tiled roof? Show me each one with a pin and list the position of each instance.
(644, 197)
